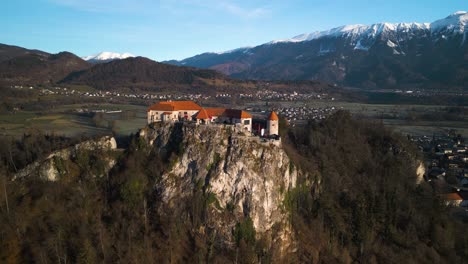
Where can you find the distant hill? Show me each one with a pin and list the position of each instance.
(20, 66)
(141, 73)
(383, 55)
(8, 52)
(31, 68)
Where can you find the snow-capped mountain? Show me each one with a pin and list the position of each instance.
(356, 31)
(377, 55)
(456, 23)
(107, 56)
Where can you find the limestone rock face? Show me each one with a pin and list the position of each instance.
(50, 168)
(248, 177)
(420, 172)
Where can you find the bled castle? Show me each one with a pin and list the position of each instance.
(172, 111)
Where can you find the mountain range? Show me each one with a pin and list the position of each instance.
(20, 66)
(383, 55)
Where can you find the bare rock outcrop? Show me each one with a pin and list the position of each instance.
(51, 167)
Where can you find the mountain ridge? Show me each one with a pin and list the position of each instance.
(20, 66)
(8, 52)
(449, 22)
(31, 68)
(381, 55)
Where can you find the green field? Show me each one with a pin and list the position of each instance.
(64, 120)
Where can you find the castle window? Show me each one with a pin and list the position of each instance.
(247, 122)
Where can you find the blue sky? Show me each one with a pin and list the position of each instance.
(176, 29)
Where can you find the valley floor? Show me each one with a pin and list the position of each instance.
(75, 120)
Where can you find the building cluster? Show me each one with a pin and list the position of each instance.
(283, 96)
(258, 95)
(447, 166)
(189, 111)
(114, 94)
(306, 113)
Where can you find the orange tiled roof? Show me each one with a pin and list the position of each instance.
(234, 113)
(215, 111)
(452, 197)
(207, 113)
(161, 107)
(202, 114)
(175, 106)
(273, 116)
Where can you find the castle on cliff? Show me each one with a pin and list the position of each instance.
(175, 111)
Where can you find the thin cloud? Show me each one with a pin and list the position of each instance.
(244, 12)
(104, 6)
(228, 7)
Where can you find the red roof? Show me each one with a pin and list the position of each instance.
(273, 116)
(174, 106)
(215, 111)
(234, 113)
(202, 114)
(161, 107)
(451, 197)
(207, 113)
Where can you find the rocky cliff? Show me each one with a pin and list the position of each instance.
(246, 177)
(70, 161)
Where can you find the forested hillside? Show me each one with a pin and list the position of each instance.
(369, 208)
(38, 68)
(139, 73)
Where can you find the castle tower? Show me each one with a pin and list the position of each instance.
(273, 124)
